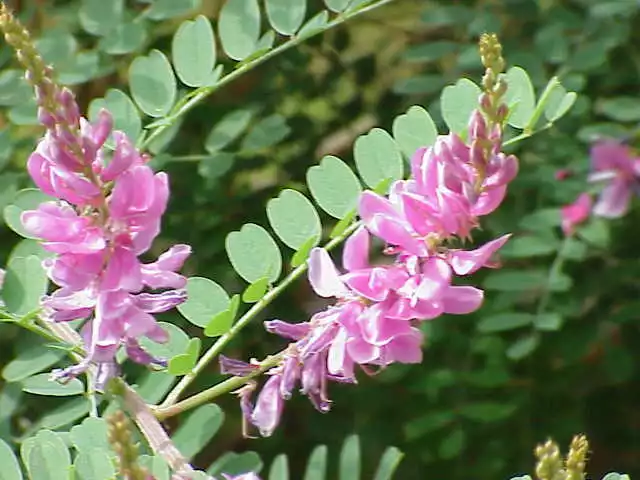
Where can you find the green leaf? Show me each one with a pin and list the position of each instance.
(487, 411)
(389, 462)
(83, 67)
(527, 246)
(302, 254)
(25, 283)
(164, 9)
(194, 51)
(548, 322)
(233, 463)
(183, 364)
(521, 281)
(198, 429)
(216, 165)
(57, 47)
(267, 132)
(152, 83)
(317, 464)
(378, 157)
(26, 248)
(559, 103)
(10, 467)
(6, 147)
(315, 24)
(156, 466)
(228, 129)
(65, 414)
(94, 465)
(431, 51)
(239, 28)
(124, 112)
(286, 16)
(177, 344)
(523, 347)
(620, 109)
(595, 232)
(342, 225)
(90, 434)
(13, 88)
(542, 219)
(42, 384)
(293, 218)
(46, 456)
(334, 186)
(26, 113)
(27, 199)
(413, 130)
(205, 299)
(98, 17)
(279, 468)
(30, 361)
(221, 323)
(253, 253)
(520, 97)
(453, 444)
(255, 291)
(154, 385)
(337, 5)
(428, 423)
(349, 467)
(457, 102)
(124, 38)
(504, 321)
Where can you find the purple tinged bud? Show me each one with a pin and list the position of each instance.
(69, 106)
(477, 125)
(102, 127)
(231, 366)
(46, 119)
(292, 331)
(268, 410)
(139, 355)
(485, 102)
(476, 155)
(159, 302)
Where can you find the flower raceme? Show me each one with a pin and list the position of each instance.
(378, 308)
(107, 212)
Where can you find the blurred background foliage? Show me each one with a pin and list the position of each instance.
(548, 355)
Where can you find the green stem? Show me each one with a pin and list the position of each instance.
(222, 342)
(221, 388)
(203, 92)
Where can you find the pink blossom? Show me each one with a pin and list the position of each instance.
(612, 162)
(108, 212)
(576, 213)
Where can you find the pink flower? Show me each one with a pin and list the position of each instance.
(576, 213)
(109, 210)
(613, 162)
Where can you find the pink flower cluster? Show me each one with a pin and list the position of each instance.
(374, 321)
(107, 213)
(612, 163)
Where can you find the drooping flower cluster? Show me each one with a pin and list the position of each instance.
(378, 308)
(614, 165)
(106, 211)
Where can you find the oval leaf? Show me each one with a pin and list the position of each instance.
(94, 465)
(196, 431)
(293, 218)
(253, 253)
(42, 384)
(286, 16)
(279, 468)
(228, 129)
(520, 97)
(25, 283)
(10, 467)
(349, 468)
(239, 28)
(334, 186)
(152, 83)
(317, 464)
(194, 51)
(205, 300)
(377, 157)
(125, 114)
(413, 130)
(388, 464)
(457, 102)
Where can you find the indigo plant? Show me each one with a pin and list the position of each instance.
(96, 271)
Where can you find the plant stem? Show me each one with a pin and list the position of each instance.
(542, 103)
(221, 388)
(553, 271)
(203, 92)
(219, 345)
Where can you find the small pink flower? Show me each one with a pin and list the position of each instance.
(576, 213)
(613, 162)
